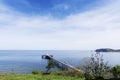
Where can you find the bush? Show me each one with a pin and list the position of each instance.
(96, 68)
(88, 76)
(70, 73)
(58, 73)
(36, 72)
(74, 73)
(116, 71)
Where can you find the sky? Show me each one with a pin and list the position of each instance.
(59, 24)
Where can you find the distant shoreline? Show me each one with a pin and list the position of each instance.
(107, 50)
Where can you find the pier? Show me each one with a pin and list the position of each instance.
(60, 64)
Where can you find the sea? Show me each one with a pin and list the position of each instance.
(25, 61)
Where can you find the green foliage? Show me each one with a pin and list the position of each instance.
(50, 65)
(116, 71)
(58, 73)
(96, 67)
(88, 76)
(74, 73)
(70, 73)
(36, 72)
(35, 77)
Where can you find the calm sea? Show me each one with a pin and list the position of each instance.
(24, 61)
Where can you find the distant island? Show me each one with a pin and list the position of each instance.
(107, 50)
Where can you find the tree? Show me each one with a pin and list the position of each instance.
(96, 67)
(50, 65)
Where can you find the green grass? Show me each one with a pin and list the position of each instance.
(35, 77)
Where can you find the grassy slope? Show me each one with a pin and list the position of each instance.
(35, 77)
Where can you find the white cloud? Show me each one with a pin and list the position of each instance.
(93, 29)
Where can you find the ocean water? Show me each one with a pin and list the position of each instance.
(24, 61)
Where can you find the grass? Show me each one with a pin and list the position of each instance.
(35, 77)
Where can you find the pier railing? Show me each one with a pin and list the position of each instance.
(60, 64)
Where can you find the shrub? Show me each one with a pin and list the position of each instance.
(96, 68)
(36, 72)
(74, 73)
(70, 73)
(58, 73)
(116, 71)
(88, 76)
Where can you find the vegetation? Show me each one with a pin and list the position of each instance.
(36, 77)
(36, 72)
(69, 73)
(74, 73)
(116, 71)
(50, 65)
(96, 68)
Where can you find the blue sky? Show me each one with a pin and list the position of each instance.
(56, 8)
(59, 24)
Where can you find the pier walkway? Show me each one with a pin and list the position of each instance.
(60, 64)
